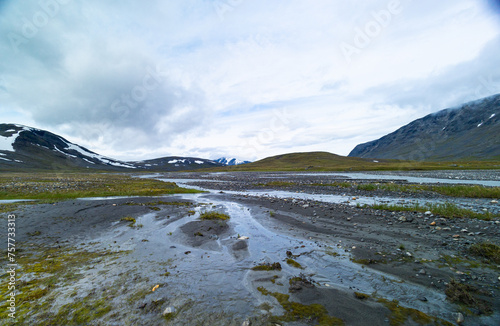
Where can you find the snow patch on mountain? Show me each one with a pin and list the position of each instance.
(230, 161)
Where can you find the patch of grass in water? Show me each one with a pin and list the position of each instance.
(399, 315)
(293, 263)
(46, 270)
(488, 251)
(295, 311)
(267, 267)
(129, 219)
(467, 296)
(213, 215)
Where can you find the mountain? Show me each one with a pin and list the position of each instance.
(468, 132)
(312, 161)
(175, 163)
(26, 148)
(230, 161)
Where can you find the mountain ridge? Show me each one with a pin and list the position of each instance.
(470, 131)
(27, 148)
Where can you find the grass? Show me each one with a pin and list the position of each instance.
(267, 267)
(129, 219)
(324, 161)
(488, 251)
(467, 295)
(293, 263)
(447, 210)
(467, 191)
(213, 215)
(60, 186)
(399, 315)
(295, 311)
(45, 271)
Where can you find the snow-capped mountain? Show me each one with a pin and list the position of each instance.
(23, 147)
(175, 163)
(230, 161)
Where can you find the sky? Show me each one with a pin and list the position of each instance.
(137, 80)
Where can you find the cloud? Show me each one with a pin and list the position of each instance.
(206, 78)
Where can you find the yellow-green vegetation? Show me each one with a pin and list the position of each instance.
(213, 215)
(59, 186)
(293, 263)
(44, 271)
(154, 205)
(267, 267)
(467, 296)
(295, 311)
(277, 184)
(399, 315)
(324, 161)
(470, 191)
(447, 210)
(129, 219)
(488, 251)
(361, 296)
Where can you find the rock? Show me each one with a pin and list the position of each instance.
(428, 213)
(246, 323)
(243, 238)
(408, 254)
(422, 271)
(456, 235)
(305, 206)
(438, 228)
(422, 298)
(187, 252)
(459, 318)
(433, 223)
(168, 311)
(494, 201)
(402, 219)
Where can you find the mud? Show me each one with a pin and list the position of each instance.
(203, 269)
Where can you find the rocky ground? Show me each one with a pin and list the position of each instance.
(97, 261)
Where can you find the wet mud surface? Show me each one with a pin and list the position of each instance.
(338, 263)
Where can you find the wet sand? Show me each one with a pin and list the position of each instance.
(204, 273)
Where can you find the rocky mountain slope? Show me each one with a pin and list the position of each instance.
(469, 132)
(28, 148)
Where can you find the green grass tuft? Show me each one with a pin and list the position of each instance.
(213, 215)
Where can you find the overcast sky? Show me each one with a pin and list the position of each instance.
(248, 79)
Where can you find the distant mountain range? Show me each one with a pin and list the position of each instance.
(230, 161)
(469, 132)
(24, 148)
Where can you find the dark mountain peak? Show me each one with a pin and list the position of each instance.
(470, 131)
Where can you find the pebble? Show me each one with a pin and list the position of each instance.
(402, 219)
(428, 213)
(422, 271)
(168, 311)
(494, 201)
(460, 318)
(433, 223)
(422, 298)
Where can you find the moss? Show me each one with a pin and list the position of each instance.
(399, 315)
(267, 267)
(467, 295)
(129, 219)
(488, 251)
(293, 263)
(295, 311)
(213, 215)
(45, 270)
(361, 296)
(332, 253)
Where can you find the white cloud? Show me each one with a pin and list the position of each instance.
(136, 81)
